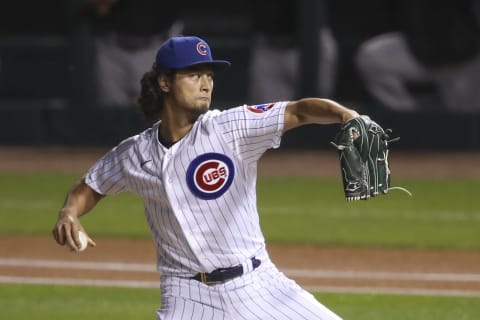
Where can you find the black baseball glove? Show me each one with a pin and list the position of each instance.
(362, 145)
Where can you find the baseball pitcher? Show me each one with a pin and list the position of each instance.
(196, 171)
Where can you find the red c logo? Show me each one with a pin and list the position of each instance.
(210, 177)
(202, 48)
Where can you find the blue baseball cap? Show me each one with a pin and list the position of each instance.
(184, 52)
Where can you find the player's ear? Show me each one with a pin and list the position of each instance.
(164, 83)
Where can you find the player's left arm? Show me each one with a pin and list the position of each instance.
(316, 111)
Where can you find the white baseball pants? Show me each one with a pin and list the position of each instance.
(264, 293)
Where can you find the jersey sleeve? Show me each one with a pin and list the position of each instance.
(253, 129)
(107, 175)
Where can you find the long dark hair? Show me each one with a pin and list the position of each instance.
(150, 100)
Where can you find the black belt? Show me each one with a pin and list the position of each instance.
(223, 274)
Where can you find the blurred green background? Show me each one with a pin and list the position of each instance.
(442, 213)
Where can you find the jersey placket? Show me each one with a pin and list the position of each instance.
(179, 209)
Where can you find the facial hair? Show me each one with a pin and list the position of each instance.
(192, 113)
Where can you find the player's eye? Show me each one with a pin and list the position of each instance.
(195, 75)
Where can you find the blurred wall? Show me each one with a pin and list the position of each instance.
(47, 92)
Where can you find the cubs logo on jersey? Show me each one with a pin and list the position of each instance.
(210, 175)
(260, 108)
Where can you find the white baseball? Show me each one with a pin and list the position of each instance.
(83, 240)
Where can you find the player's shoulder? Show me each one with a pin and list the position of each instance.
(214, 113)
(210, 114)
(136, 141)
(241, 113)
(265, 108)
(220, 116)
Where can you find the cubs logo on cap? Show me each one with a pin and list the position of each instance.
(210, 175)
(184, 52)
(202, 48)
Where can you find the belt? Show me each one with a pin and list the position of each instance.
(224, 274)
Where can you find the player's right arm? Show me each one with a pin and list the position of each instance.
(80, 200)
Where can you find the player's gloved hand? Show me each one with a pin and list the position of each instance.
(362, 146)
(352, 161)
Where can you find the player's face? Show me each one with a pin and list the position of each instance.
(193, 89)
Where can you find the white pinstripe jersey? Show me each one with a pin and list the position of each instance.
(199, 194)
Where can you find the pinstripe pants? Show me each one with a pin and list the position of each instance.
(264, 293)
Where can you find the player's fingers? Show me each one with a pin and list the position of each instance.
(91, 243)
(75, 237)
(69, 237)
(59, 234)
(62, 228)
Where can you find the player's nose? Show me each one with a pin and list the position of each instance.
(206, 83)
